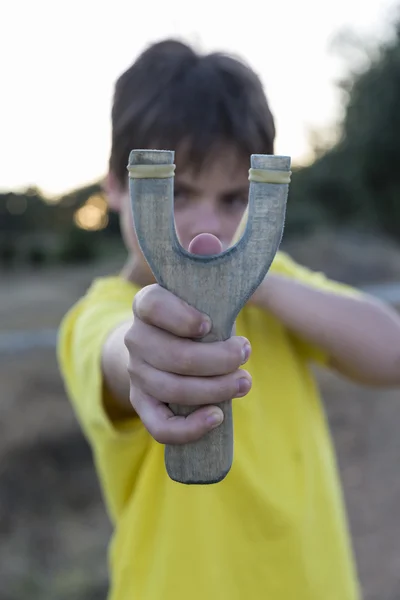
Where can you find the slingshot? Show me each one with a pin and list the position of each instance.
(217, 285)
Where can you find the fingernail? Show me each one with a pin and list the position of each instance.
(205, 327)
(214, 418)
(243, 386)
(245, 353)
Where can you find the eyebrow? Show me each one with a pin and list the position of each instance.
(192, 189)
(187, 186)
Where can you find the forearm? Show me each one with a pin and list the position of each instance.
(115, 374)
(360, 335)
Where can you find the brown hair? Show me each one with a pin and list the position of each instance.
(172, 95)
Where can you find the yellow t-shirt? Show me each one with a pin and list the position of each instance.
(274, 529)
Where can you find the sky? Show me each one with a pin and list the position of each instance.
(59, 62)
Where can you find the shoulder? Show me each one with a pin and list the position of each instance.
(85, 327)
(106, 297)
(286, 266)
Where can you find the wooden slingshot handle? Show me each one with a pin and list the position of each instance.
(217, 285)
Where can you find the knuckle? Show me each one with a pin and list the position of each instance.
(159, 434)
(131, 342)
(190, 319)
(134, 399)
(170, 392)
(139, 378)
(137, 301)
(157, 384)
(184, 362)
(147, 302)
(133, 369)
(129, 337)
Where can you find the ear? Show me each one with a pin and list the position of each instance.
(113, 191)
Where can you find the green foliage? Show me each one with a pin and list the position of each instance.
(8, 253)
(78, 246)
(354, 183)
(37, 255)
(357, 181)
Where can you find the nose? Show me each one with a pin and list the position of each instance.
(206, 220)
(201, 217)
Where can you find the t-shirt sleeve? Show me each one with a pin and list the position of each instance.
(285, 265)
(81, 338)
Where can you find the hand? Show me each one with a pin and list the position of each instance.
(167, 366)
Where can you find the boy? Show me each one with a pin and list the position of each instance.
(275, 527)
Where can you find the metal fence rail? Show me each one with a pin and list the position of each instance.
(14, 342)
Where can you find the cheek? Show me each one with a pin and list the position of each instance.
(128, 230)
(183, 224)
(234, 229)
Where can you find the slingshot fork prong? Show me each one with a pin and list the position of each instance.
(217, 285)
(153, 209)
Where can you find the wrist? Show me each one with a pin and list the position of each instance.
(137, 272)
(265, 293)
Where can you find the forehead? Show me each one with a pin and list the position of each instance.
(223, 167)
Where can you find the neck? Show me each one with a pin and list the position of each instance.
(136, 272)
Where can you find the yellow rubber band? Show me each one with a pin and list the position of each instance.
(151, 171)
(164, 171)
(260, 176)
(268, 176)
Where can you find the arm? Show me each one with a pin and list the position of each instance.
(360, 335)
(116, 377)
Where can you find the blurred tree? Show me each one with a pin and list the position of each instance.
(353, 180)
(357, 180)
(78, 246)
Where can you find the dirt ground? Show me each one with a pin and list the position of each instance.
(53, 528)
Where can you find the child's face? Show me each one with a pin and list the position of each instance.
(208, 201)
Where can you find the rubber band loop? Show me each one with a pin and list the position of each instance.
(165, 171)
(269, 176)
(151, 171)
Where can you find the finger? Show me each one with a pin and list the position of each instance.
(166, 428)
(157, 306)
(166, 352)
(191, 391)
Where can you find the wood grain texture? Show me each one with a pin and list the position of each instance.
(217, 285)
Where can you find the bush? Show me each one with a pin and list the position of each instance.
(36, 256)
(78, 246)
(8, 253)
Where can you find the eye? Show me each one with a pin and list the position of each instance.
(235, 201)
(180, 196)
(178, 191)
